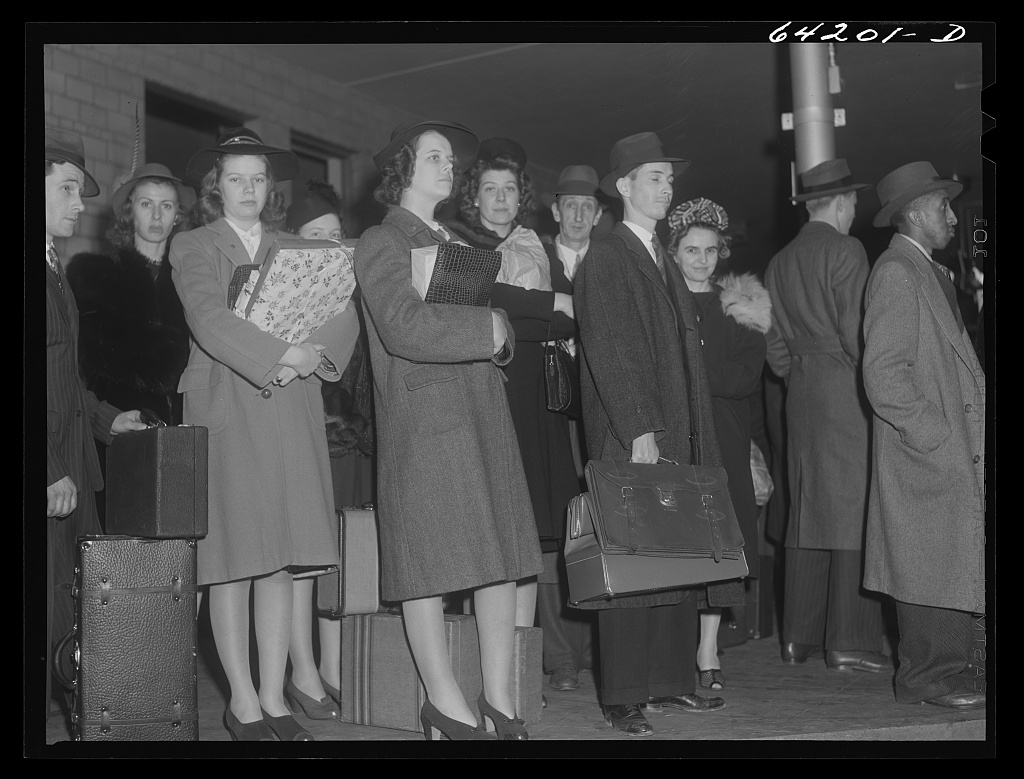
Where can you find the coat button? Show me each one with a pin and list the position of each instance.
(78, 412)
(266, 393)
(968, 408)
(977, 458)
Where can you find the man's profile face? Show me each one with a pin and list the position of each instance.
(650, 192)
(63, 200)
(576, 216)
(938, 220)
(848, 213)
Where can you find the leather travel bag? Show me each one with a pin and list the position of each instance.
(156, 483)
(355, 587)
(134, 650)
(650, 527)
(561, 378)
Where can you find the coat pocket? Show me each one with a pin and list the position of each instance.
(205, 392)
(435, 399)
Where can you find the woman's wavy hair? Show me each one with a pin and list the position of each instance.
(723, 245)
(396, 175)
(209, 206)
(121, 232)
(471, 188)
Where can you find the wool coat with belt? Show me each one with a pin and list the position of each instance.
(817, 286)
(926, 517)
(453, 504)
(271, 502)
(642, 369)
(73, 418)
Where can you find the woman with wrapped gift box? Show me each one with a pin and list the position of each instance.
(535, 292)
(454, 507)
(733, 314)
(270, 505)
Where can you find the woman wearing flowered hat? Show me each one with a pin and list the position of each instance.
(734, 313)
(271, 505)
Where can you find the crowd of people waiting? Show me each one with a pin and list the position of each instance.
(470, 472)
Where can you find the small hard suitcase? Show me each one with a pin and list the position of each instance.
(760, 606)
(379, 682)
(156, 483)
(135, 640)
(355, 587)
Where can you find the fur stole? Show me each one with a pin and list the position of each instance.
(746, 300)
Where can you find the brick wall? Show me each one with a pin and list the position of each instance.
(94, 89)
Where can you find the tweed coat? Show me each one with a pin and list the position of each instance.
(642, 369)
(454, 508)
(271, 500)
(817, 286)
(926, 517)
(73, 418)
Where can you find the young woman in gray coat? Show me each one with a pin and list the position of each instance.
(271, 503)
(454, 507)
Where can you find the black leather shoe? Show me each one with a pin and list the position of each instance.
(960, 700)
(564, 678)
(872, 662)
(793, 652)
(692, 703)
(628, 718)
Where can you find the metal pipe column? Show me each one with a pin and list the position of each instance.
(813, 117)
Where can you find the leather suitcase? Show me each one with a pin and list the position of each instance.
(156, 483)
(594, 574)
(355, 587)
(379, 682)
(135, 640)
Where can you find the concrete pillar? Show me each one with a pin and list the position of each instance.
(813, 116)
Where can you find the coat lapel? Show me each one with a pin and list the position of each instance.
(58, 300)
(936, 299)
(231, 246)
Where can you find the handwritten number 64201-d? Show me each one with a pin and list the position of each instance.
(779, 34)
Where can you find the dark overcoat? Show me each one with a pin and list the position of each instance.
(642, 370)
(454, 507)
(817, 285)
(74, 417)
(926, 517)
(271, 502)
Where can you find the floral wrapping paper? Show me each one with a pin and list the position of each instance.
(303, 288)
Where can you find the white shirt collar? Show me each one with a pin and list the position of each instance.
(250, 238)
(924, 251)
(570, 257)
(644, 235)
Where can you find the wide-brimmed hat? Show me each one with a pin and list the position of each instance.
(632, 152)
(245, 142)
(492, 148)
(831, 177)
(573, 180)
(63, 146)
(153, 170)
(464, 142)
(906, 183)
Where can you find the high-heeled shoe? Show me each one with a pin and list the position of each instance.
(247, 731)
(286, 728)
(325, 708)
(711, 678)
(452, 729)
(508, 729)
(334, 692)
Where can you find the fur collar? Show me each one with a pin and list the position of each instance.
(747, 301)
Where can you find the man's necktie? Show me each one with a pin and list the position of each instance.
(54, 263)
(659, 257)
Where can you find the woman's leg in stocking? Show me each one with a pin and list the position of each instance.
(526, 602)
(229, 618)
(273, 619)
(330, 651)
(305, 675)
(495, 621)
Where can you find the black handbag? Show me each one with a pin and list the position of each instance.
(561, 378)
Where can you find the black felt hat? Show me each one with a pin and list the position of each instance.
(464, 142)
(63, 146)
(244, 142)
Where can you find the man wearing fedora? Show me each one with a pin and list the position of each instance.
(73, 415)
(817, 285)
(926, 518)
(645, 395)
(575, 207)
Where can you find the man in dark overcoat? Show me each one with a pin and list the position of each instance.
(576, 209)
(926, 517)
(73, 414)
(645, 394)
(817, 285)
